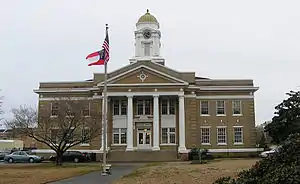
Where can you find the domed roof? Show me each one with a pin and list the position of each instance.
(146, 18)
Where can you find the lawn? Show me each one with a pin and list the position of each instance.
(184, 172)
(42, 173)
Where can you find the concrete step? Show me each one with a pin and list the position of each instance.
(142, 156)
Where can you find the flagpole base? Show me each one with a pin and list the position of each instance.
(106, 170)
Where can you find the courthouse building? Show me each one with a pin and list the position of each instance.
(159, 113)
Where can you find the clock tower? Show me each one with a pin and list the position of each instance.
(147, 40)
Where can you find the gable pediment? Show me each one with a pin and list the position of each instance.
(144, 75)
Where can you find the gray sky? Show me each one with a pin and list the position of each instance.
(48, 41)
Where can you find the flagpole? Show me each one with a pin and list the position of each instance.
(105, 113)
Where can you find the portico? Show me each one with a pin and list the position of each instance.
(144, 119)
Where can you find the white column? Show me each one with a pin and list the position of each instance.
(182, 147)
(155, 123)
(129, 124)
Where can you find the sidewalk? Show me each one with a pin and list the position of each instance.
(96, 178)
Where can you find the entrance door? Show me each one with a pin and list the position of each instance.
(144, 138)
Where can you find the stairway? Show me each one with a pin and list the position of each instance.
(142, 156)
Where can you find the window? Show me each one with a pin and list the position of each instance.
(54, 136)
(147, 49)
(54, 109)
(221, 135)
(220, 107)
(236, 107)
(86, 110)
(238, 135)
(85, 135)
(205, 135)
(119, 135)
(204, 107)
(168, 107)
(119, 107)
(168, 136)
(144, 107)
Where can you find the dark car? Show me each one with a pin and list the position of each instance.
(3, 153)
(71, 156)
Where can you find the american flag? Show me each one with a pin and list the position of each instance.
(105, 46)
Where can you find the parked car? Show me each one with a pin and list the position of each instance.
(270, 152)
(22, 156)
(71, 156)
(3, 153)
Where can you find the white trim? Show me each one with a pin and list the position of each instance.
(145, 84)
(217, 88)
(205, 126)
(190, 96)
(242, 135)
(51, 151)
(226, 136)
(238, 126)
(118, 144)
(179, 93)
(65, 82)
(230, 150)
(57, 90)
(224, 107)
(226, 97)
(64, 98)
(143, 66)
(168, 144)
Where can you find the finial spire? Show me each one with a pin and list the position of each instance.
(147, 10)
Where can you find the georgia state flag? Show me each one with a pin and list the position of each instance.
(96, 58)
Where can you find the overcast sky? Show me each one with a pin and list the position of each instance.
(48, 40)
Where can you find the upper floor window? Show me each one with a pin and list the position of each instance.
(220, 107)
(86, 110)
(85, 135)
(168, 107)
(236, 107)
(144, 107)
(54, 109)
(119, 107)
(204, 107)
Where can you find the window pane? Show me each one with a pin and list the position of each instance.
(164, 107)
(172, 138)
(86, 110)
(164, 135)
(140, 107)
(238, 135)
(204, 107)
(116, 107)
(115, 130)
(123, 107)
(147, 107)
(172, 129)
(123, 138)
(116, 138)
(220, 107)
(236, 107)
(171, 106)
(205, 135)
(221, 135)
(85, 135)
(54, 109)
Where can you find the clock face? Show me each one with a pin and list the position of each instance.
(147, 34)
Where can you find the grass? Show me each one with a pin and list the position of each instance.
(43, 172)
(184, 172)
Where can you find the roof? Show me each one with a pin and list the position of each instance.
(146, 18)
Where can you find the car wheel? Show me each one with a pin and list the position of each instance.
(31, 160)
(10, 160)
(76, 160)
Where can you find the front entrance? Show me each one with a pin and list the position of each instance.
(144, 138)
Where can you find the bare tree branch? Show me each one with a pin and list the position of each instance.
(65, 125)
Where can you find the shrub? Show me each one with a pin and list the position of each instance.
(281, 167)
